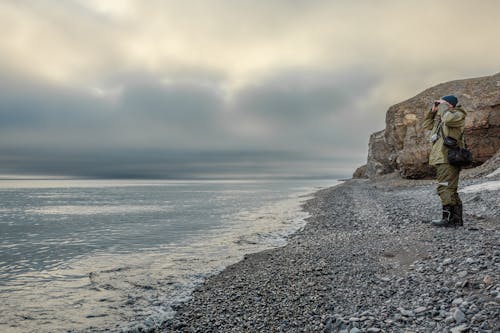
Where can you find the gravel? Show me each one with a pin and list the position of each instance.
(366, 261)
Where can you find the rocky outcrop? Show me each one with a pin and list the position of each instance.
(403, 146)
(489, 169)
(360, 172)
(379, 152)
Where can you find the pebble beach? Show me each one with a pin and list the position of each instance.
(366, 261)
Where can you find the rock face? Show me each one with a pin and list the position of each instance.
(360, 172)
(379, 152)
(404, 145)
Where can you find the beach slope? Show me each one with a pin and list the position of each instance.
(366, 260)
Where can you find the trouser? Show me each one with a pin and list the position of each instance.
(447, 177)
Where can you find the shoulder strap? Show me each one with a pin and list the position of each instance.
(440, 128)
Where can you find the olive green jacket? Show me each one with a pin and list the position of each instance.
(453, 123)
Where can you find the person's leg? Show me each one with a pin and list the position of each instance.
(458, 208)
(447, 177)
(453, 174)
(459, 215)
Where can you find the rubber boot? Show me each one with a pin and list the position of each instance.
(458, 212)
(446, 220)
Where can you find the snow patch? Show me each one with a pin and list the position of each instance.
(494, 173)
(486, 186)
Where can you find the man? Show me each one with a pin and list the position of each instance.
(446, 118)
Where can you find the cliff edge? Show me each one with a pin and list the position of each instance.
(403, 146)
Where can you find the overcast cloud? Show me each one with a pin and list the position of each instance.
(221, 88)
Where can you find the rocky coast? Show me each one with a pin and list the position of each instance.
(366, 261)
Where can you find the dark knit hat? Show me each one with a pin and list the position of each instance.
(450, 99)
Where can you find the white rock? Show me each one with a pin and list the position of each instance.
(373, 330)
(406, 313)
(459, 316)
(459, 328)
(447, 261)
(420, 309)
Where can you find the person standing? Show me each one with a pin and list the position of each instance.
(446, 118)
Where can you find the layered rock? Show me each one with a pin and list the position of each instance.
(404, 145)
(360, 172)
(489, 169)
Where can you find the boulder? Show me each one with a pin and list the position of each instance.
(360, 172)
(404, 145)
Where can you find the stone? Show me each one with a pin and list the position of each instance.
(470, 260)
(447, 261)
(403, 145)
(463, 283)
(478, 318)
(328, 326)
(459, 328)
(488, 280)
(420, 309)
(406, 313)
(459, 316)
(473, 309)
(360, 172)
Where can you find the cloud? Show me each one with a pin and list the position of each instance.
(79, 41)
(301, 109)
(142, 111)
(309, 79)
(139, 124)
(196, 112)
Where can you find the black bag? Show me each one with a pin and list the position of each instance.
(459, 156)
(456, 156)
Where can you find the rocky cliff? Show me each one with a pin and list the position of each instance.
(404, 145)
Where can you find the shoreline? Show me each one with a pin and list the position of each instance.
(354, 265)
(291, 217)
(122, 291)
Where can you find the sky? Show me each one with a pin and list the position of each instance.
(221, 88)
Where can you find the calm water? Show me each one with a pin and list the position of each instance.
(86, 255)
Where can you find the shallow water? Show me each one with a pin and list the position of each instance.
(86, 255)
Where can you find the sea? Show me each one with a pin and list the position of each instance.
(82, 255)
